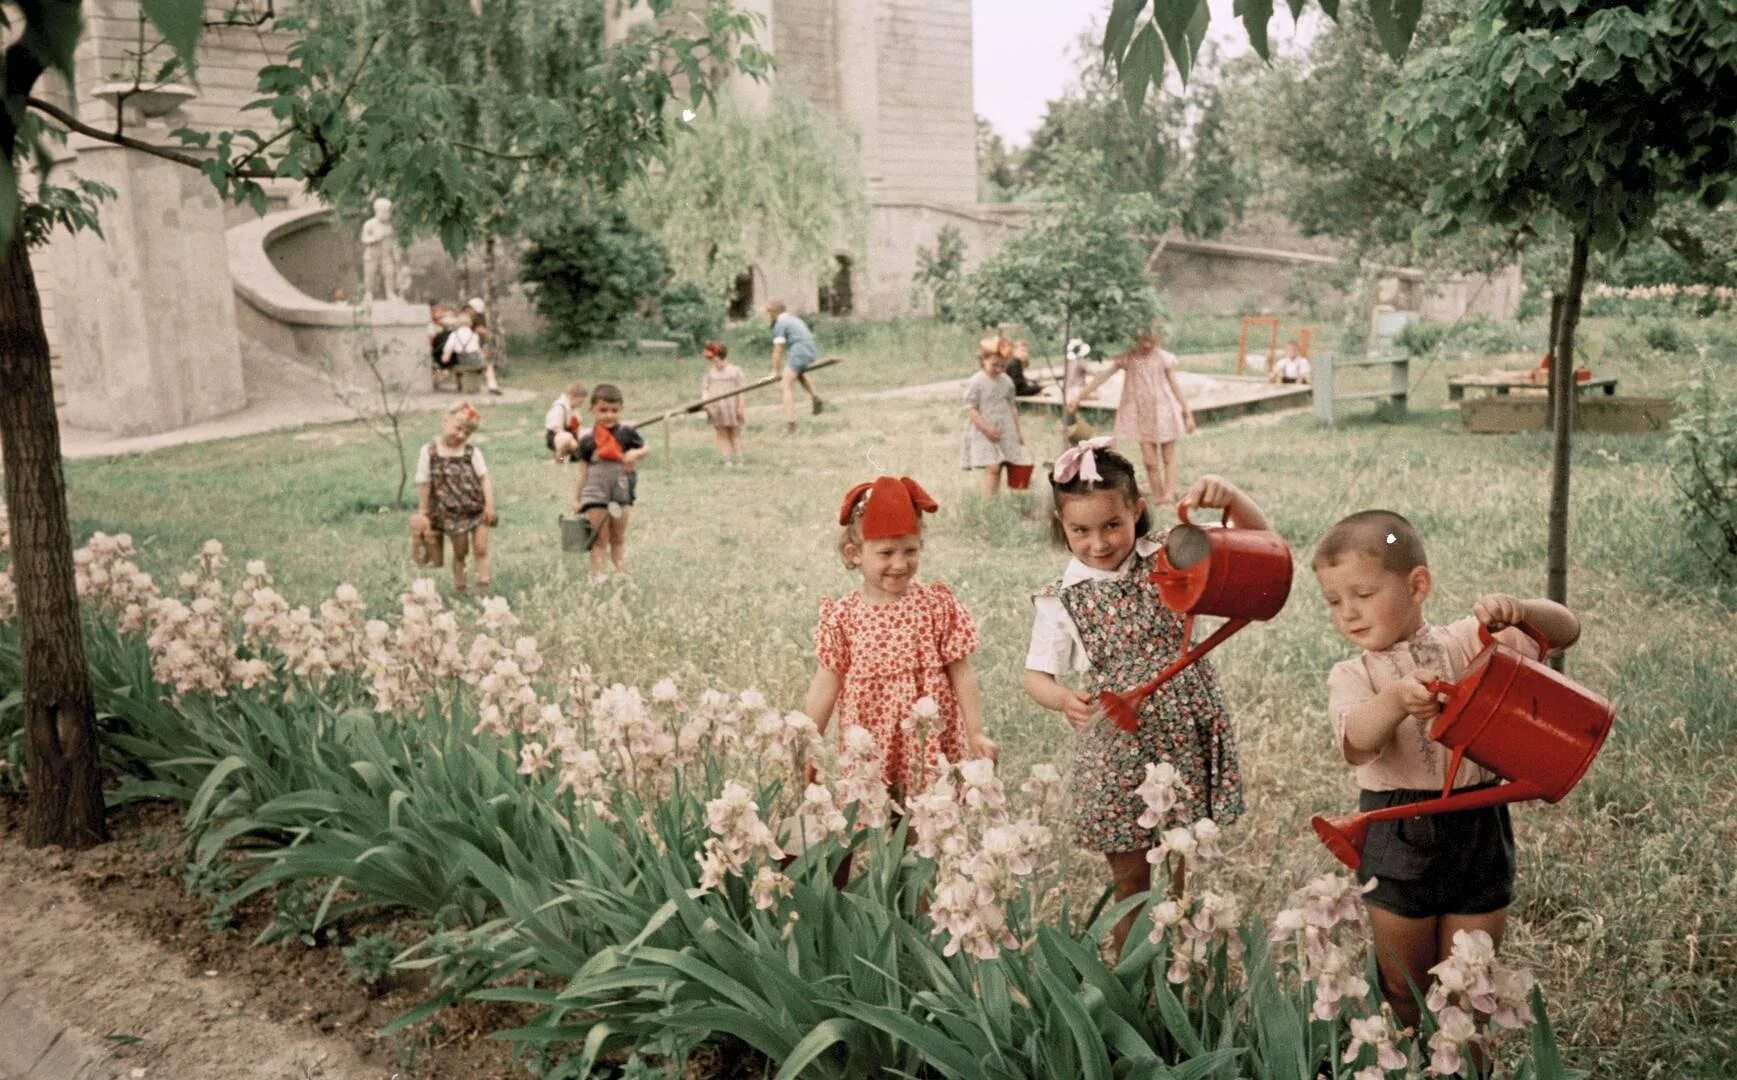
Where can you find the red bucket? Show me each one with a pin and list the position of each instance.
(1018, 476)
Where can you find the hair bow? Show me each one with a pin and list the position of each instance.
(467, 412)
(1080, 461)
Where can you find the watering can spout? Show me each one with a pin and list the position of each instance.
(1344, 836)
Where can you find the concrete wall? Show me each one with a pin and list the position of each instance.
(926, 128)
(149, 327)
(329, 339)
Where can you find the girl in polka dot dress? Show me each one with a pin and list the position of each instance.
(1103, 624)
(895, 640)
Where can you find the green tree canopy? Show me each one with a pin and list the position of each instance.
(1078, 267)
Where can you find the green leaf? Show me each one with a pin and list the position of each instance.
(180, 22)
(1142, 67)
(1119, 30)
(1184, 25)
(208, 790)
(1255, 14)
(825, 1035)
(1545, 1057)
(937, 1051)
(1395, 21)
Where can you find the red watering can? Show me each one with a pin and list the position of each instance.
(1528, 724)
(1240, 574)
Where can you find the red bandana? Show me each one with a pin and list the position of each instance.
(894, 507)
(608, 449)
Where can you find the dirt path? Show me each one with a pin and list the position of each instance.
(66, 963)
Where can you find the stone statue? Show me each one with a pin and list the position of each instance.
(380, 254)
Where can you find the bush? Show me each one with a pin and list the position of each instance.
(689, 316)
(369, 960)
(1704, 465)
(1418, 338)
(590, 274)
(941, 273)
(1663, 335)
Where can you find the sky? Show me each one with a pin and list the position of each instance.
(1024, 52)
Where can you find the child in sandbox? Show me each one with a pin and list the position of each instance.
(456, 499)
(607, 485)
(1153, 412)
(1434, 876)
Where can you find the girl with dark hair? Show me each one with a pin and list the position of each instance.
(1102, 619)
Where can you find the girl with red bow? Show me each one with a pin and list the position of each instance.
(895, 641)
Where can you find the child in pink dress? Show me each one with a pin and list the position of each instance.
(895, 640)
(1152, 411)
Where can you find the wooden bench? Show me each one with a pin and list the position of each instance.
(1323, 384)
(1500, 385)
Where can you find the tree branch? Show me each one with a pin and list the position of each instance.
(167, 153)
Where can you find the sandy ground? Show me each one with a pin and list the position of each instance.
(80, 966)
(279, 396)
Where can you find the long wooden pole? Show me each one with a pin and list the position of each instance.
(702, 403)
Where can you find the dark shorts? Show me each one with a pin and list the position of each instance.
(549, 441)
(624, 492)
(1459, 863)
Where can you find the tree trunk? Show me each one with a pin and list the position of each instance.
(66, 798)
(1562, 389)
(497, 343)
(1557, 301)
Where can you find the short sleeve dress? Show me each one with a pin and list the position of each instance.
(729, 412)
(1148, 411)
(888, 656)
(993, 398)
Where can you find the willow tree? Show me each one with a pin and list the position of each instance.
(780, 184)
(352, 108)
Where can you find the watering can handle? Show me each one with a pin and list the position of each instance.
(1486, 638)
(1182, 513)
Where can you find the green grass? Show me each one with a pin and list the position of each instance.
(1624, 892)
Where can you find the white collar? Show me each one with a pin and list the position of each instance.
(1078, 571)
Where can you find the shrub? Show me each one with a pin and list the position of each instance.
(941, 272)
(1703, 453)
(1419, 337)
(369, 960)
(1663, 335)
(590, 274)
(689, 316)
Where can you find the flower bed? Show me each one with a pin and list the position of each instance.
(651, 873)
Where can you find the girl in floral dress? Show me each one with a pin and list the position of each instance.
(1103, 620)
(895, 640)
(1152, 411)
